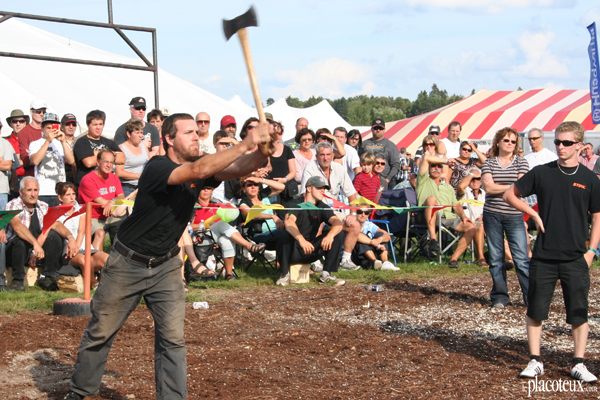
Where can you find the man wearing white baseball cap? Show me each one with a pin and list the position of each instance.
(31, 132)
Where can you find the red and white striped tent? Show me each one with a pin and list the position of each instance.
(485, 112)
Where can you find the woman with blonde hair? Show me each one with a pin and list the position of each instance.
(500, 171)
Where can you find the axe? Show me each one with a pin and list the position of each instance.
(238, 25)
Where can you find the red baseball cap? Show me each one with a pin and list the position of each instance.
(228, 120)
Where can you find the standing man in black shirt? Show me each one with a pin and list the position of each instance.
(567, 192)
(143, 262)
(300, 243)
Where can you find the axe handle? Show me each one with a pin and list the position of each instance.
(243, 35)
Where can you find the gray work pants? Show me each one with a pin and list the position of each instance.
(124, 282)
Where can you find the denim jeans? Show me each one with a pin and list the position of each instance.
(124, 282)
(3, 200)
(496, 226)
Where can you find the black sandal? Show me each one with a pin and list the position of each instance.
(257, 248)
(230, 277)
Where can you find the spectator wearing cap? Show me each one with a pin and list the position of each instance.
(301, 241)
(87, 147)
(17, 121)
(137, 109)
(229, 125)
(433, 130)
(49, 155)
(68, 126)
(30, 133)
(203, 122)
(451, 144)
(378, 143)
(7, 156)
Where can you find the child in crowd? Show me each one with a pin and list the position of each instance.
(371, 250)
(367, 183)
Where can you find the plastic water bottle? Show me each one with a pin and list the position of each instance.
(190, 229)
(374, 288)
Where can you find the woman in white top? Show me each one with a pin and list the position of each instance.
(136, 156)
(67, 194)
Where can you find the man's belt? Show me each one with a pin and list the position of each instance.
(149, 261)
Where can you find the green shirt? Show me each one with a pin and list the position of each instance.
(444, 193)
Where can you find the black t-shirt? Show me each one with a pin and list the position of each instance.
(563, 202)
(161, 211)
(84, 147)
(150, 131)
(308, 221)
(280, 164)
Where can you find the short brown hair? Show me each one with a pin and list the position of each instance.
(572, 126)
(134, 124)
(302, 132)
(170, 129)
(102, 151)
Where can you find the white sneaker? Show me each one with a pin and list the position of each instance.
(317, 266)
(349, 265)
(283, 280)
(332, 279)
(534, 368)
(580, 372)
(389, 266)
(377, 264)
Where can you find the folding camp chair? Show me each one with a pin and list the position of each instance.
(447, 238)
(248, 231)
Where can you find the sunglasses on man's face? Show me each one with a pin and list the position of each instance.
(39, 111)
(565, 143)
(380, 163)
(18, 121)
(361, 212)
(509, 141)
(377, 128)
(476, 179)
(70, 123)
(140, 108)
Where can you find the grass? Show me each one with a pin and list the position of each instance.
(35, 299)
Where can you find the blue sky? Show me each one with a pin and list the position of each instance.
(345, 48)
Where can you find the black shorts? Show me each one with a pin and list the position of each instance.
(575, 281)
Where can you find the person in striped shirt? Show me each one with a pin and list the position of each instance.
(500, 171)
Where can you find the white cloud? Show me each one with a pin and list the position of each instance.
(211, 79)
(593, 14)
(540, 61)
(330, 78)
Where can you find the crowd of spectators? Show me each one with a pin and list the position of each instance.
(324, 169)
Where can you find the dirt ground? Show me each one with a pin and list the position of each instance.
(434, 339)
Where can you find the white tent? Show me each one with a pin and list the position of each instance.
(321, 115)
(78, 89)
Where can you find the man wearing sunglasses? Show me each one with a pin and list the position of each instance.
(68, 125)
(433, 130)
(539, 155)
(31, 133)
(137, 109)
(379, 143)
(431, 191)
(567, 193)
(17, 121)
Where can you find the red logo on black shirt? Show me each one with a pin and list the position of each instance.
(193, 185)
(579, 185)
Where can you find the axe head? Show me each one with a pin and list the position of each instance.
(243, 21)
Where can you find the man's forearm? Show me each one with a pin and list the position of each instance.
(242, 166)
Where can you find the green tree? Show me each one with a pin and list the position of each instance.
(293, 102)
(270, 101)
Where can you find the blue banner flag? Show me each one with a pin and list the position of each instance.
(594, 74)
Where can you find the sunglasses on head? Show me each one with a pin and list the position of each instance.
(380, 163)
(466, 149)
(361, 212)
(509, 141)
(566, 143)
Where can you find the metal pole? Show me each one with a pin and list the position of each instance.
(110, 14)
(87, 266)
(155, 61)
